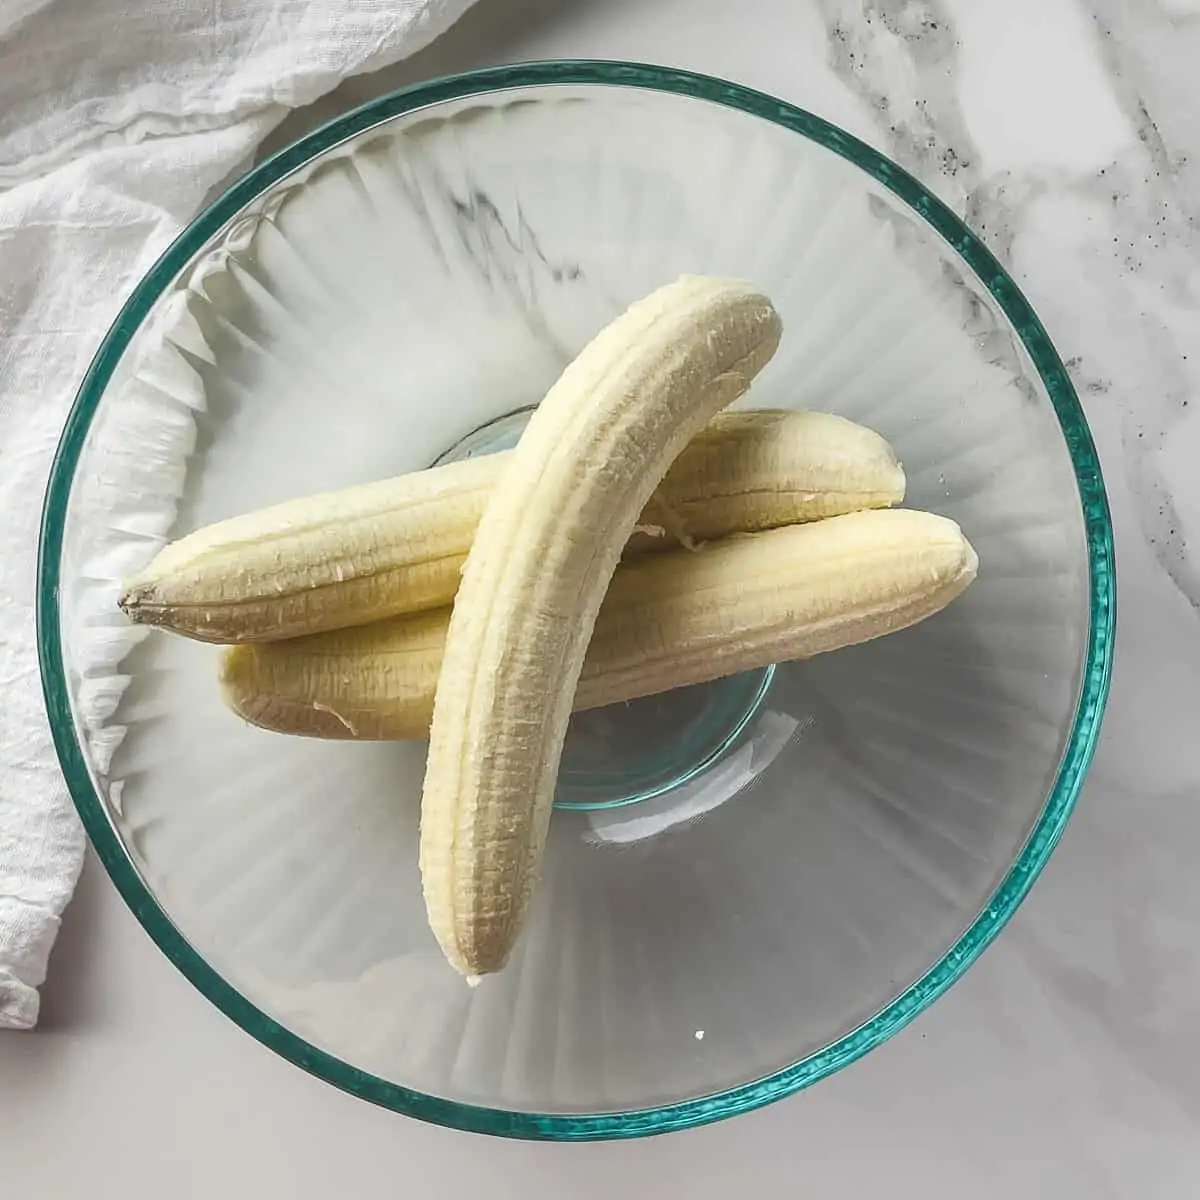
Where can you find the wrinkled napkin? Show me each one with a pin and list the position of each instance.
(117, 117)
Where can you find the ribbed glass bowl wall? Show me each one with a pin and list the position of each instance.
(826, 849)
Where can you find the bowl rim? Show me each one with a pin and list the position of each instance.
(1005, 898)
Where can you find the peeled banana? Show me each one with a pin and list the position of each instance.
(668, 620)
(365, 553)
(547, 544)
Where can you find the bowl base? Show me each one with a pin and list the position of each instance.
(644, 748)
(640, 749)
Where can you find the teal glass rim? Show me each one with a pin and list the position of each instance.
(1007, 896)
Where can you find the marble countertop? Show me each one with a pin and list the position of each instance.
(1065, 1063)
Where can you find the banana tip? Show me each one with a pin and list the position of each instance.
(970, 561)
(136, 602)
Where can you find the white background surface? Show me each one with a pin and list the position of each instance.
(1064, 1065)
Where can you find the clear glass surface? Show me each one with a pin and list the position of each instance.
(813, 874)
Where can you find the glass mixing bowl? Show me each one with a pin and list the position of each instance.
(748, 884)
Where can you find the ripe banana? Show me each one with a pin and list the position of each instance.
(668, 620)
(547, 544)
(375, 551)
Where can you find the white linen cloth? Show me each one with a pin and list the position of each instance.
(116, 118)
